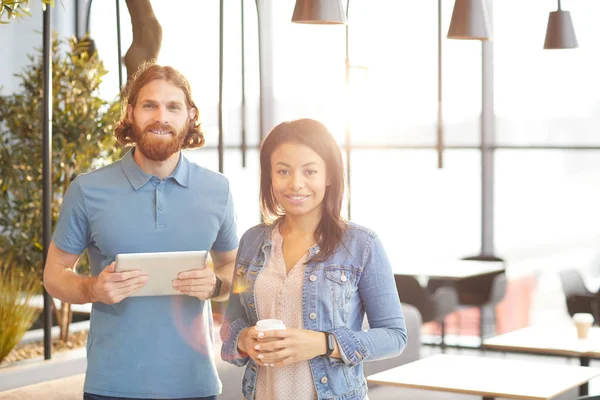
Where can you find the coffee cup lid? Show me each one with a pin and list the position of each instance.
(269, 325)
(583, 317)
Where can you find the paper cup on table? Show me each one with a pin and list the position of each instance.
(583, 322)
(269, 325)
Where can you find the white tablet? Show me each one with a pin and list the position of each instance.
(161, 268)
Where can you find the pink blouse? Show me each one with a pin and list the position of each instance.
(279, 295)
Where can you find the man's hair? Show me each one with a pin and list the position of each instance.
(148, 72)
(316, 136)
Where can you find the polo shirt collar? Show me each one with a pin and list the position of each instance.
(138, 178)
(181, 174)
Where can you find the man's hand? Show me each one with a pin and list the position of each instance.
(111, 287)
(199, 283)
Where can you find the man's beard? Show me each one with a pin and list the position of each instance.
(155, 148)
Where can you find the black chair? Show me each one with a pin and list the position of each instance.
(483, 292)
(433, 306)
(579, 299)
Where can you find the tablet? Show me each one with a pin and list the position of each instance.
(161, 268)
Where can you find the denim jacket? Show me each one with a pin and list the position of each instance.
(336, 294)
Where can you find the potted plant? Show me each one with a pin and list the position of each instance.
(82, 126)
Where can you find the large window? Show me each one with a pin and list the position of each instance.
(544, 199)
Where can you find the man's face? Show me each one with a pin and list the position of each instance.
(160, 120)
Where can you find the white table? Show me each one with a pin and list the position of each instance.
(550, 340)
(487, 377)
(447, 269)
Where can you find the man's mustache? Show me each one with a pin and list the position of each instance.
(160, 127)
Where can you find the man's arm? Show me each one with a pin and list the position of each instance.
(224, 264)
(61, 280)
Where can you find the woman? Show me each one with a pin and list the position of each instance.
(317, 273)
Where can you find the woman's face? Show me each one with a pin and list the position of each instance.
(299, 179)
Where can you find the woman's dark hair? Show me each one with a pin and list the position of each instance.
(316, 136)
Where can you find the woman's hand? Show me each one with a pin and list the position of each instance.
(285, 347)
(247, 343)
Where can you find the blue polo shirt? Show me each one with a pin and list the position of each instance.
(157, 346)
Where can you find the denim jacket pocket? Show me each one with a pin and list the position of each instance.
(342, 283)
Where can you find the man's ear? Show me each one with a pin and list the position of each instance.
(193, 112)
(129, 112)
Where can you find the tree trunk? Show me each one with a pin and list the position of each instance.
(147, 35)
(63, 316)
(64, 322)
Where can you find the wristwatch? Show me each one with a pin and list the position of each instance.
(217, 290)
(329, 343)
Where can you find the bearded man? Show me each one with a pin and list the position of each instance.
(152, 200)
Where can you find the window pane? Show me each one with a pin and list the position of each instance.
(545, 96)
(418, 210)
(546, 206)
(244, 181)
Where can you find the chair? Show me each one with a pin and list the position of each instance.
(433, 306)
(579, 299)
(483, 292)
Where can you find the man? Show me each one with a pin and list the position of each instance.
(152, 200)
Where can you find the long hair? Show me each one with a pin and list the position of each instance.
(316, 136)
(146, 73)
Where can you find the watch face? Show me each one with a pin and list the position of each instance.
(330, 341)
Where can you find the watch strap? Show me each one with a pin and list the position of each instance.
(217, 290)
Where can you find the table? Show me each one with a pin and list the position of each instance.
(487, 377)
(550, 340)
(447, 269)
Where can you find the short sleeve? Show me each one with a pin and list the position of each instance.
(72, 229)
(227, 239)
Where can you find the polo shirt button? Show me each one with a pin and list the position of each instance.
(160, 207)
(159, 188)
(312, 315)
(312, 278)
(324, 379)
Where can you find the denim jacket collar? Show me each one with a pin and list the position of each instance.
(267, 243)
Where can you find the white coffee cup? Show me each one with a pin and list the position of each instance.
(583, 322)
(269, 325)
